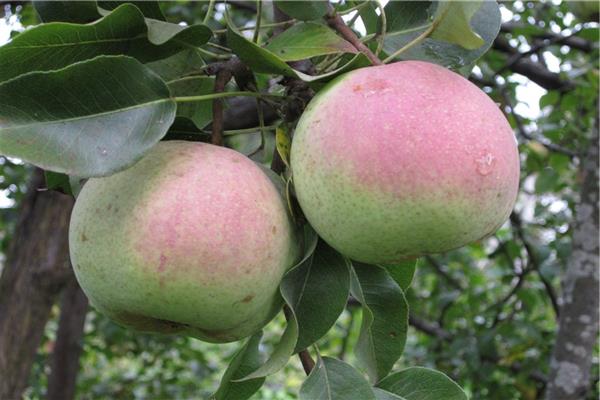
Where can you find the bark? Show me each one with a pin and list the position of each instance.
(36, 268)
(578, 323)
(64, 364)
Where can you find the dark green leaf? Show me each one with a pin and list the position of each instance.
(422, 384)
(76, 184)
(381, 394)
(403, 15)
(317, 291)
(182, 63)
(333, 379)
(370, 18)
(385, 319)
(58, 182)
(302, 9)
(403, 273)
(245, 361)
(150, 9)
(124, 31)
(200, 112)
(308, 39)
(255, 57)
(90, 119)
(67, 11)
(546, 180)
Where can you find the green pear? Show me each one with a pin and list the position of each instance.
(193, 239)
(396, 161)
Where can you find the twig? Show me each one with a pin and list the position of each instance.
(218, 46)
(209, 11)
(440, 271)
(258, 19)
(263, 131)
(429, 328)
(383, 28)
(223, 76)
(523, 132)
(338, 24)
(534, 262)
(283, 24)
(213, 55)
(513, 59)
(533, 70)
(412, 43)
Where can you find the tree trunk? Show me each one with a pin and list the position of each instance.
(36, 268)
(65, 356)
(578, 324)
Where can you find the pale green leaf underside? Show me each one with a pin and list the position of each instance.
(419, 383)
(453, 24)
(332, 379)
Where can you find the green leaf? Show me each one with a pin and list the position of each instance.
(200, 112)
(370, 18)
(308, 39)
(255, 57)
(124, 31)
(283, 143)
(67, 11)
(422, 384)
(385, 319)
(317, 292)
(182, 63)
(76, 184)
(485, 22)
(452, 20)
(403, 273)
(282, 353)
(332, 379)
(381, 394)
(547, 180)
(245, 360)
(58, 182)
(403, 15)
(302, 9)
(93, 118)
(262, 60)
(285, 348)
(150, 9)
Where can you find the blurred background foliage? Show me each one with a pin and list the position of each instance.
(484, 314)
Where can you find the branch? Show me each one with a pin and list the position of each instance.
(440, 271)
(533, 70)
(430, 328)
(338, 24)
(516, 57)
(515, 219)
(571, 40)
(523, 132)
